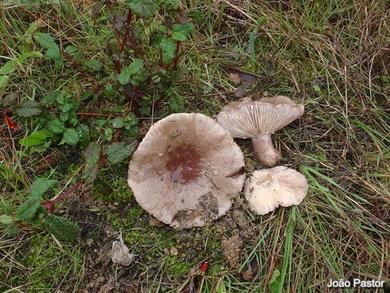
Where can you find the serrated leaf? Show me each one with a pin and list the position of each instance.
(93, 65)
(71, 137)
(119, 151)
(135, 68)
(52, 49)
(8, 67)
(143, 8)
(40, 186)
(62, 228)
(176, 103)
(28, 109)
(28, 210)
(56, 125)
(36, 138)
(168, 47)
(92, 155)
(118, 122)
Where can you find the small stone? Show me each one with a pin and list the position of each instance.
(174, 251)
(120, 253)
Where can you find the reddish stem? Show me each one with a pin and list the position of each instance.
(177, 55)
(66, 193)
(125, 37)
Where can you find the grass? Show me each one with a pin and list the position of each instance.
(333, 56)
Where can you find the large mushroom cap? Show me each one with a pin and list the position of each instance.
(247, 118)
(268, 189)
(186, 170)
(258, 120)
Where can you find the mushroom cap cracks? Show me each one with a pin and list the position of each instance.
(267, 189)
(186, 170)
(247, 118)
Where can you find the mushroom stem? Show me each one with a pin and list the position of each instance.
(265, 151)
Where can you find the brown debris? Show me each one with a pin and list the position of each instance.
(231, 249)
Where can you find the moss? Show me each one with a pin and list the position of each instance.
(47, 264)
(115, 190)
(176, 267)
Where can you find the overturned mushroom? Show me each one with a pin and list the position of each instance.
(186, 170)
(268, 189)
(258, 120)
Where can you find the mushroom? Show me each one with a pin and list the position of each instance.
(258, 120)
(267, 189)
(186, 170)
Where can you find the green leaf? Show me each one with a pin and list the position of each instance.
(6, 220)
(56, 125)
(93, 65)
(118, 122)
(33, 54)
(40, 186)
(262, 21)
(92, 155)
(28, 210)
(273, 283)
(12, 229)
(8, 67)
(119, 151)
(143, 8)
(181, 31)
(176, 103)
(170, 4)
(28, 109)
(52, 49)
(130, 71)
(71, 50)
(36, 138)
(83, 131)
(168, 47)
(62, 228)
(3, 82)
(71, 137)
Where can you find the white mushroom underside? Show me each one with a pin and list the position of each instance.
(268, 189)
(249, 119)
(152, 183)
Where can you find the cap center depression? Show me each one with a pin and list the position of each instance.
(184, 164)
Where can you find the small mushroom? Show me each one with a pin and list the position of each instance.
(268, 189)
(258, 120)
(186, 170)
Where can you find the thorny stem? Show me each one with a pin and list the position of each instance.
(265, 151)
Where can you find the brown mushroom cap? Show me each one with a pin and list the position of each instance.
(186, 170)
(247, 119)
